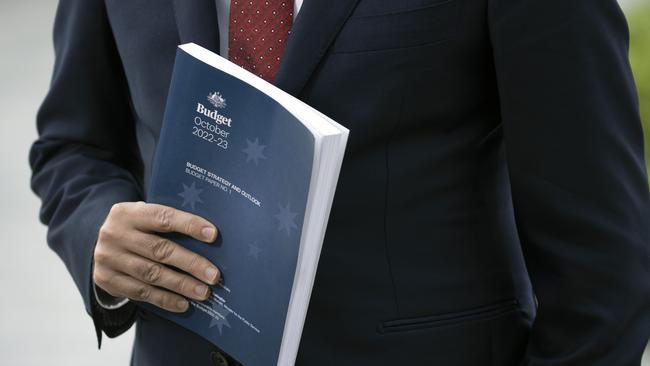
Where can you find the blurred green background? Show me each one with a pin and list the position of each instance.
(638, 16)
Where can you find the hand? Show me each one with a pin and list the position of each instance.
(132, 261)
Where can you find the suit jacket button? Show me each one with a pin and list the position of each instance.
(218, 359)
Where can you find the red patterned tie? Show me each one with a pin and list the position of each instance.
(258, 34)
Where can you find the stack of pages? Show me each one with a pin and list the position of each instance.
(262, 166)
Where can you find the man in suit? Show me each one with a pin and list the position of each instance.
(492, 207)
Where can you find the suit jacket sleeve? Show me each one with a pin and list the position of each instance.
(85, 158)
(575, 154)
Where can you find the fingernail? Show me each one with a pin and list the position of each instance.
(208, 232)
(182, 304)
(212, 273)
(201, 290)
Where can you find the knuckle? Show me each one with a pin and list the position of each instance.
(152, 273)
(166, 301)
(101, 254)
(117, 208)
(106, 233)
(142, 293)
(181, 285)
(164, 219)
(162, 250)
(106, 282)
(99, 278)
(191, 226)
(194, 263)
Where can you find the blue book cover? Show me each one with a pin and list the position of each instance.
(232, 154)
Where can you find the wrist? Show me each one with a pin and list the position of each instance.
(106, 300)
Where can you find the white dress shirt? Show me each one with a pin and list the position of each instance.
(223, 11)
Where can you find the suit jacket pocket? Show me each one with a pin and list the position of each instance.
(479, 313)
(399, 29)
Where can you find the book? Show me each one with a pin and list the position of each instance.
(262, 166)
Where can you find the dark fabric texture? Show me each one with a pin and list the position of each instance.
(495, 157)
(85, 158)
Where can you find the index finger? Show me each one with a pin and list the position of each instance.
(163, 219)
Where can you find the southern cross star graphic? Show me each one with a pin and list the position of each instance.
(220, 322)
(254, 151)
(254, 250)
(190, 195)
(286, 219)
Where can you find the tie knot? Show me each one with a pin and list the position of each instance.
(258, 34)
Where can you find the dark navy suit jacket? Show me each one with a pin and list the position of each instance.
(495, 163)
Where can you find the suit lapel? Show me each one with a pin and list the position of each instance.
(316, 26)
(197, 22)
